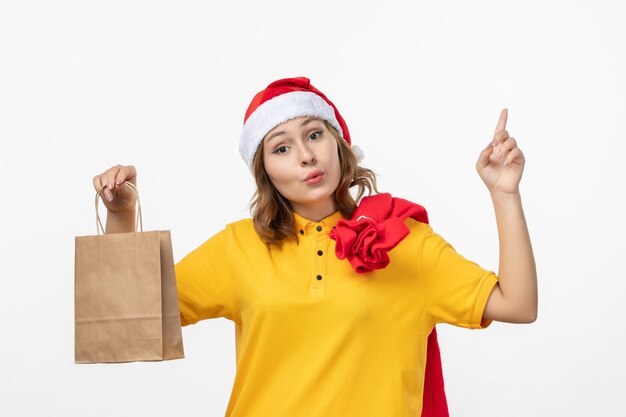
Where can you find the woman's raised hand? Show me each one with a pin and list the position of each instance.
(501, 164)
(117, 196)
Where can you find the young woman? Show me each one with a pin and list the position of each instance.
(335, 298)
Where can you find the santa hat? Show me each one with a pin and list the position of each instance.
(283, 100)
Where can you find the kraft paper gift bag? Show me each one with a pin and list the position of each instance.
(126, 303)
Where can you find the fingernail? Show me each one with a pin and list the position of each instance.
(109, 197)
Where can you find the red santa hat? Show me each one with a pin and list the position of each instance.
(283, 100)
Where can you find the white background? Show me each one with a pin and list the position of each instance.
(164, 86)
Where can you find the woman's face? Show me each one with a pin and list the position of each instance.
(296, 150)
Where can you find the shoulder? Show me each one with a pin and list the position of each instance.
(237, 231)
(418, 230)
(242, 232)
(421, 240)
(426, 238)
(241, 225)
(412, 244)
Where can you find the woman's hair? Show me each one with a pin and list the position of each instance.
(272, 216)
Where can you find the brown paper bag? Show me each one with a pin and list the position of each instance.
(126, 303)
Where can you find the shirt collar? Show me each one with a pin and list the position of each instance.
(306, 227)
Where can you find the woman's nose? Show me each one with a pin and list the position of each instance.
(306, 155)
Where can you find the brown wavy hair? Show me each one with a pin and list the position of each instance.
(272, 213)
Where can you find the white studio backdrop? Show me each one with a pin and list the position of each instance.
(164, 86)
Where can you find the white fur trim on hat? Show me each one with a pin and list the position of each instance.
(358, 152)
(278, 110)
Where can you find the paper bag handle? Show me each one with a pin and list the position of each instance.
(138, 221)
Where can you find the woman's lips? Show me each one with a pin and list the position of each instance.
(313, 173)
(315, 179)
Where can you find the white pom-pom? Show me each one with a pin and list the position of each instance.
(358, 152)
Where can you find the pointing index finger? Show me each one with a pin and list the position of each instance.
(502, 121)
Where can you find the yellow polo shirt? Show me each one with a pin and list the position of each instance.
(316, 339)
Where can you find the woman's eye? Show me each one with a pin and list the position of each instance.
(278, 150)
(315, 135)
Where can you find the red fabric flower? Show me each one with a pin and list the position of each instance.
(377, 226)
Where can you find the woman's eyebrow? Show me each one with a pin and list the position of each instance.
(280, 132)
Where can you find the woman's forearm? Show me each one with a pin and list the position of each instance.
(517, 271)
